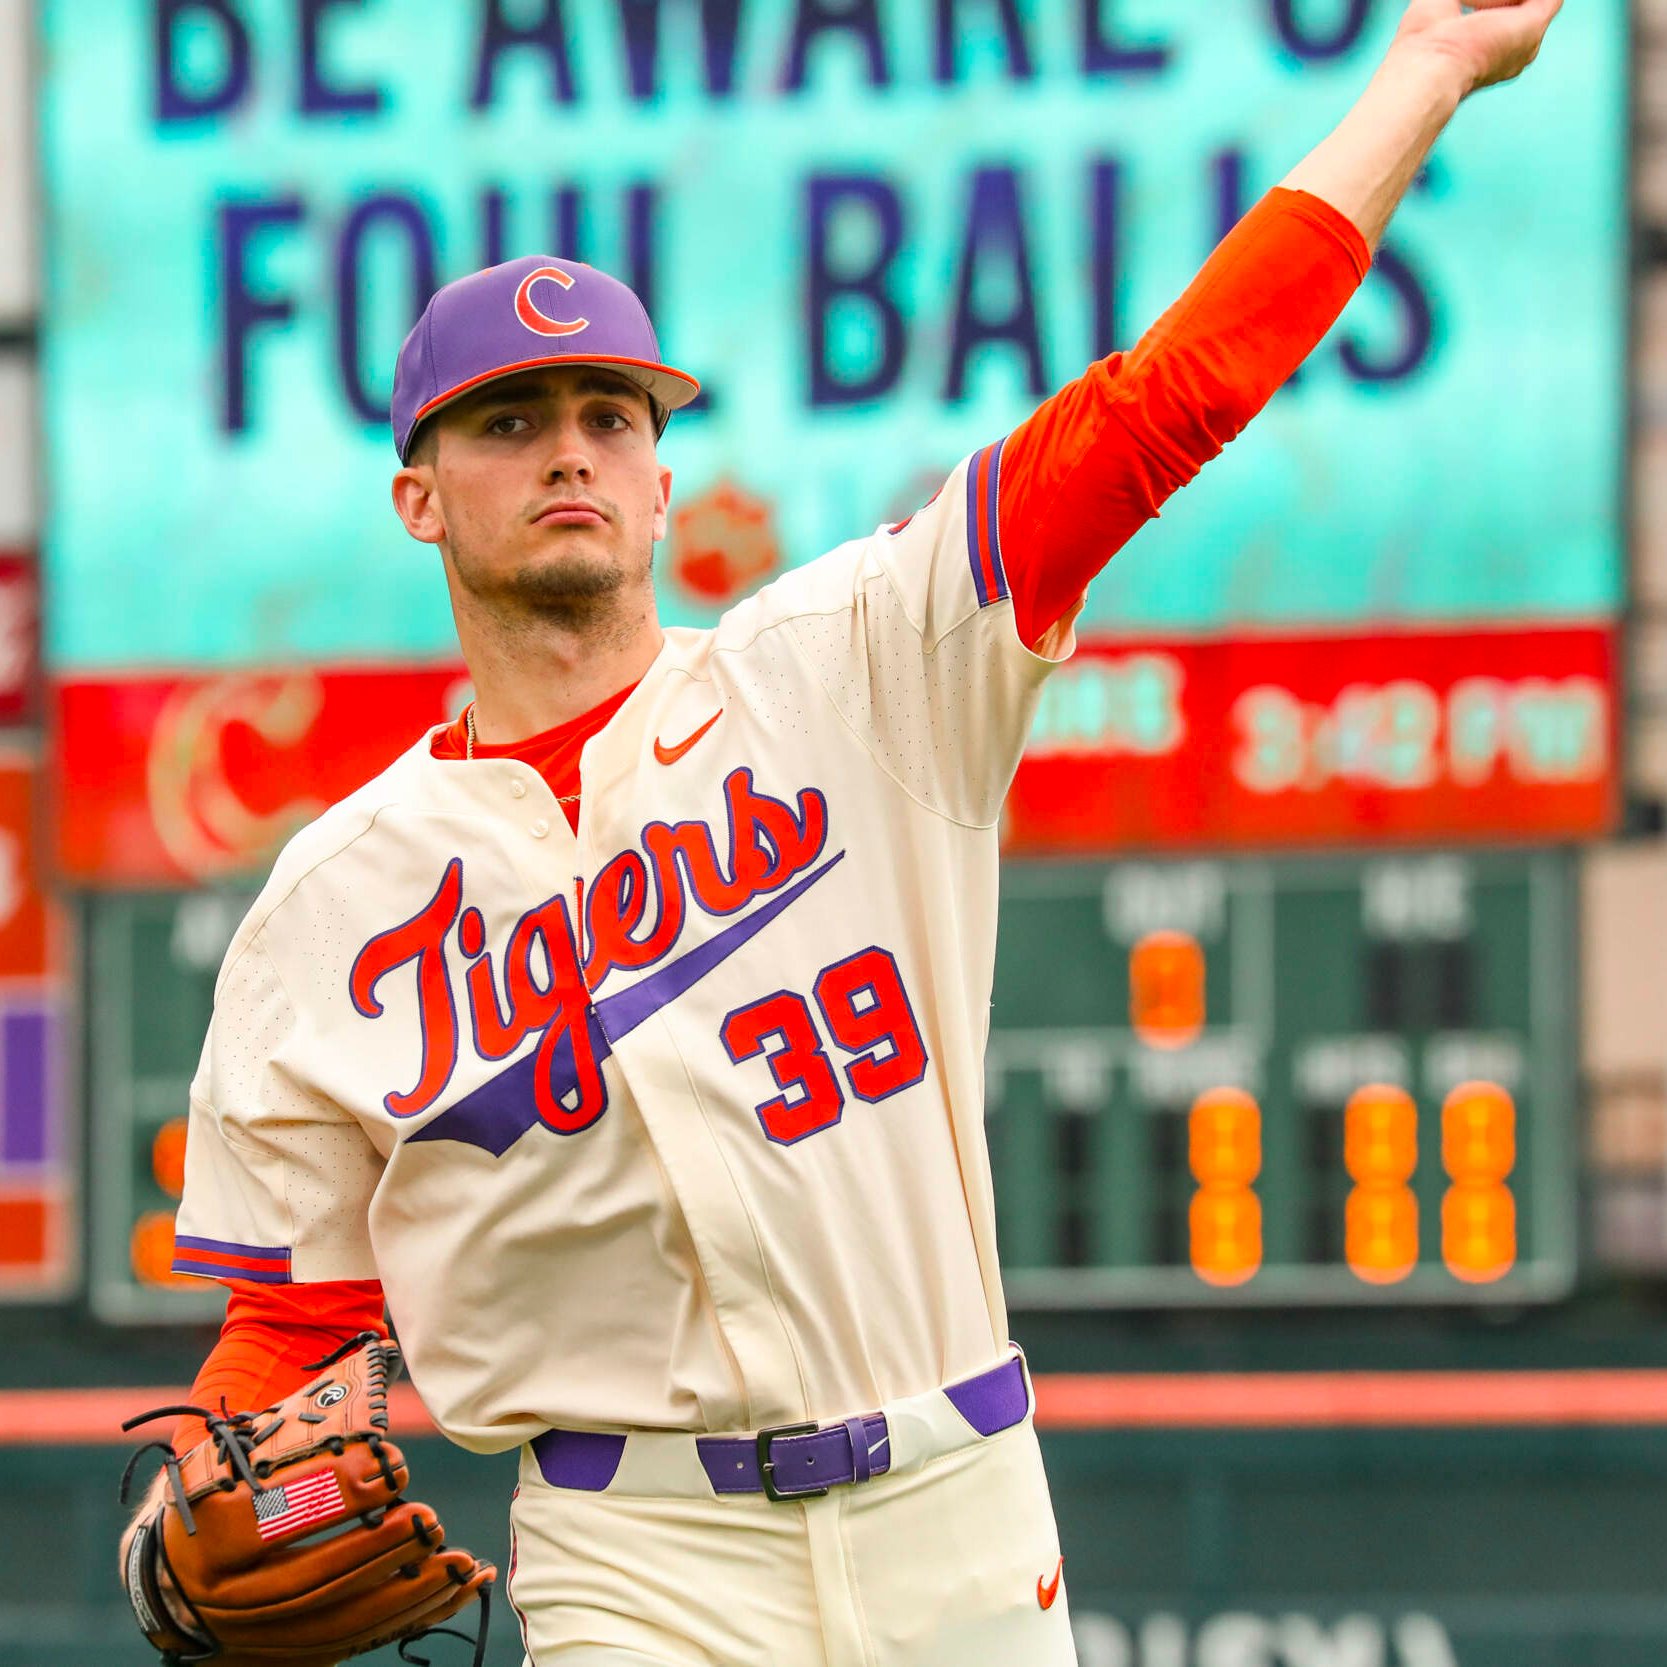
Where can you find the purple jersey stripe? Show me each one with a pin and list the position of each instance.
(989, 578)
(219, 1270)
(975, 551)
(992, 500)
(230, 1247)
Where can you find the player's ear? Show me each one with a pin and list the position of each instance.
(417, 502)
(662, 504)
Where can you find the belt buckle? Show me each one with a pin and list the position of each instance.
(767, 1465)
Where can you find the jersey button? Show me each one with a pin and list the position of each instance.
(517, 788)
(540, 828)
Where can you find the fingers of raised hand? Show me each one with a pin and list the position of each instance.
(1490, 40)
(1511, 31)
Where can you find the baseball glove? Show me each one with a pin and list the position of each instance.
(284, 1535)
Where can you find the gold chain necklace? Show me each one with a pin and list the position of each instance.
(469, 753)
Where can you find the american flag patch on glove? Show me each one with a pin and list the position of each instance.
(312, 1498)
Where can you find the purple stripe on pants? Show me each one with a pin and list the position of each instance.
(578, 1458)
(993, 1401)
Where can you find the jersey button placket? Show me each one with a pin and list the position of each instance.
(517, 788)
(539, 828)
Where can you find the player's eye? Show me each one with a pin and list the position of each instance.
(612, 420)
(504, 423)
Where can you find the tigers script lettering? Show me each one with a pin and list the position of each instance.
(635, 912)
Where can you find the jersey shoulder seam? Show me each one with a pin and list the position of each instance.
(254, 927)
(862, 740)
(776, 621)
(256, 941)
(264, 909)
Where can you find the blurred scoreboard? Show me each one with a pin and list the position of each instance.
(1173, 1049)
(151, 960)
(1174, 1052)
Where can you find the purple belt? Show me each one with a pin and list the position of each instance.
(790, 1461)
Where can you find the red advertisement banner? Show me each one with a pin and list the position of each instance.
(1427, 736)
(164, 780)
(1432, 736)
(31, 929)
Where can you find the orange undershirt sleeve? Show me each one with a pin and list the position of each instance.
(271, 1334)
(1093, 463)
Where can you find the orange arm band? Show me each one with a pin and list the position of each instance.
(1093, 463)
(271, 1334)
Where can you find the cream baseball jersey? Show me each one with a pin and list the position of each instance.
(678, 1122)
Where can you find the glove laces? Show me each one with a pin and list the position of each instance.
(479, 1639)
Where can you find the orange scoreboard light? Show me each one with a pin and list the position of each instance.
(1166, 989)
(151, 1243)
(1224, 1144)
(1478, 1212)
(1380, 1150)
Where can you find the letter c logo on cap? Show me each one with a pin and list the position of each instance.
(526, 309)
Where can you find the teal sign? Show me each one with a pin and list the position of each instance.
(879, 233)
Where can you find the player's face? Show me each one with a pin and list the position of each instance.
(544, 492)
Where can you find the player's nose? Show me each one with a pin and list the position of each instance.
(568, 456)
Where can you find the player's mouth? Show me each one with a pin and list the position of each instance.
(569, 512)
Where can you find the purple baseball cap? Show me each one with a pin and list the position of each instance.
(539, 310)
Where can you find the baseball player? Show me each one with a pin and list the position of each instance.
(625, 1037)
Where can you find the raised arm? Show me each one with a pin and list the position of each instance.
(1441, 54)
(1095, 462)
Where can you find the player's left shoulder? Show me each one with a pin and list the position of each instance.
(310, 853)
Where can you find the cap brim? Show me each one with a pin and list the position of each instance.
(669, 388)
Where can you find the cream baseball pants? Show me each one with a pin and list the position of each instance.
(946, 1560)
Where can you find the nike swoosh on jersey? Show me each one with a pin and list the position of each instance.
(496, 1115)
(1047, 1591)
(671, 754)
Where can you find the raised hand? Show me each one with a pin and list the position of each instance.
(1489, 40)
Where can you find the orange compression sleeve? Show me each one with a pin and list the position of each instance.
(1093, 463)
(271, 1334)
